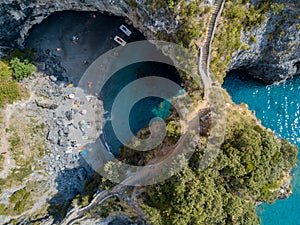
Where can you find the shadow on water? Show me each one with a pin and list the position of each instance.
(240, 76)
(67, 42)
(145, 109)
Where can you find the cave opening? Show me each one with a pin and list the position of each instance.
(297, 65)
(243, 74)
(68, 42)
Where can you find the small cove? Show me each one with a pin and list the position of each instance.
(95, 32)
(145, 109)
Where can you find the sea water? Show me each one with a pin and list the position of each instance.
(144, 110)
(95, 32)
(278, 108)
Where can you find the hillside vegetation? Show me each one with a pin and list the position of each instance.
(250, 167)
(252, 164)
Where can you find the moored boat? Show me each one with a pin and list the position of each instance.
(119, 40)
(125, 30)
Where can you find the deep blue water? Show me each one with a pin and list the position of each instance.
(278, 108)
(145, 109)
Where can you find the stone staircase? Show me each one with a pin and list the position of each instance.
(206, 47)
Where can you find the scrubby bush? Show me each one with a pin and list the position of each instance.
(21, 69)
(10, 90)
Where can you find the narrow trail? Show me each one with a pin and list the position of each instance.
(9, 163)
(205, 49)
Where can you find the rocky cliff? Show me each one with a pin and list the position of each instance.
(274, 49)
(17, 16)
(272, 55)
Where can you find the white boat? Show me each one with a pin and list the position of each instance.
(119, 40)
(125, 30)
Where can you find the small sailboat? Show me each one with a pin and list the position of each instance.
(125, 30)
(119, 40)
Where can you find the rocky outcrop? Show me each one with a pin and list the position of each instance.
(274, 47)
(17, 16)
(273, 54)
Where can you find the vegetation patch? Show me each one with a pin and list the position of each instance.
(23, 199)
(10, 90)
(246, 170)
(112, 207)
(192, 16)
(21, 69)
(2, 158)
(26, 144)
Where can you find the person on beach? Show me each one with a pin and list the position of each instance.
(75, 39)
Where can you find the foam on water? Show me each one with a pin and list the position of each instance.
(278, 107)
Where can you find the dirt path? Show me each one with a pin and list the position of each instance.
(9, 163)
(4, 144)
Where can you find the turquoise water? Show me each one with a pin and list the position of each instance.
(278, 108)
(145, 109)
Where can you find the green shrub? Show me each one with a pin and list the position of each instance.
(133, 4)
(5, 71)
(2, 209)
(10, 90)
(253, 39)
(21, 69)
(1, 160)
